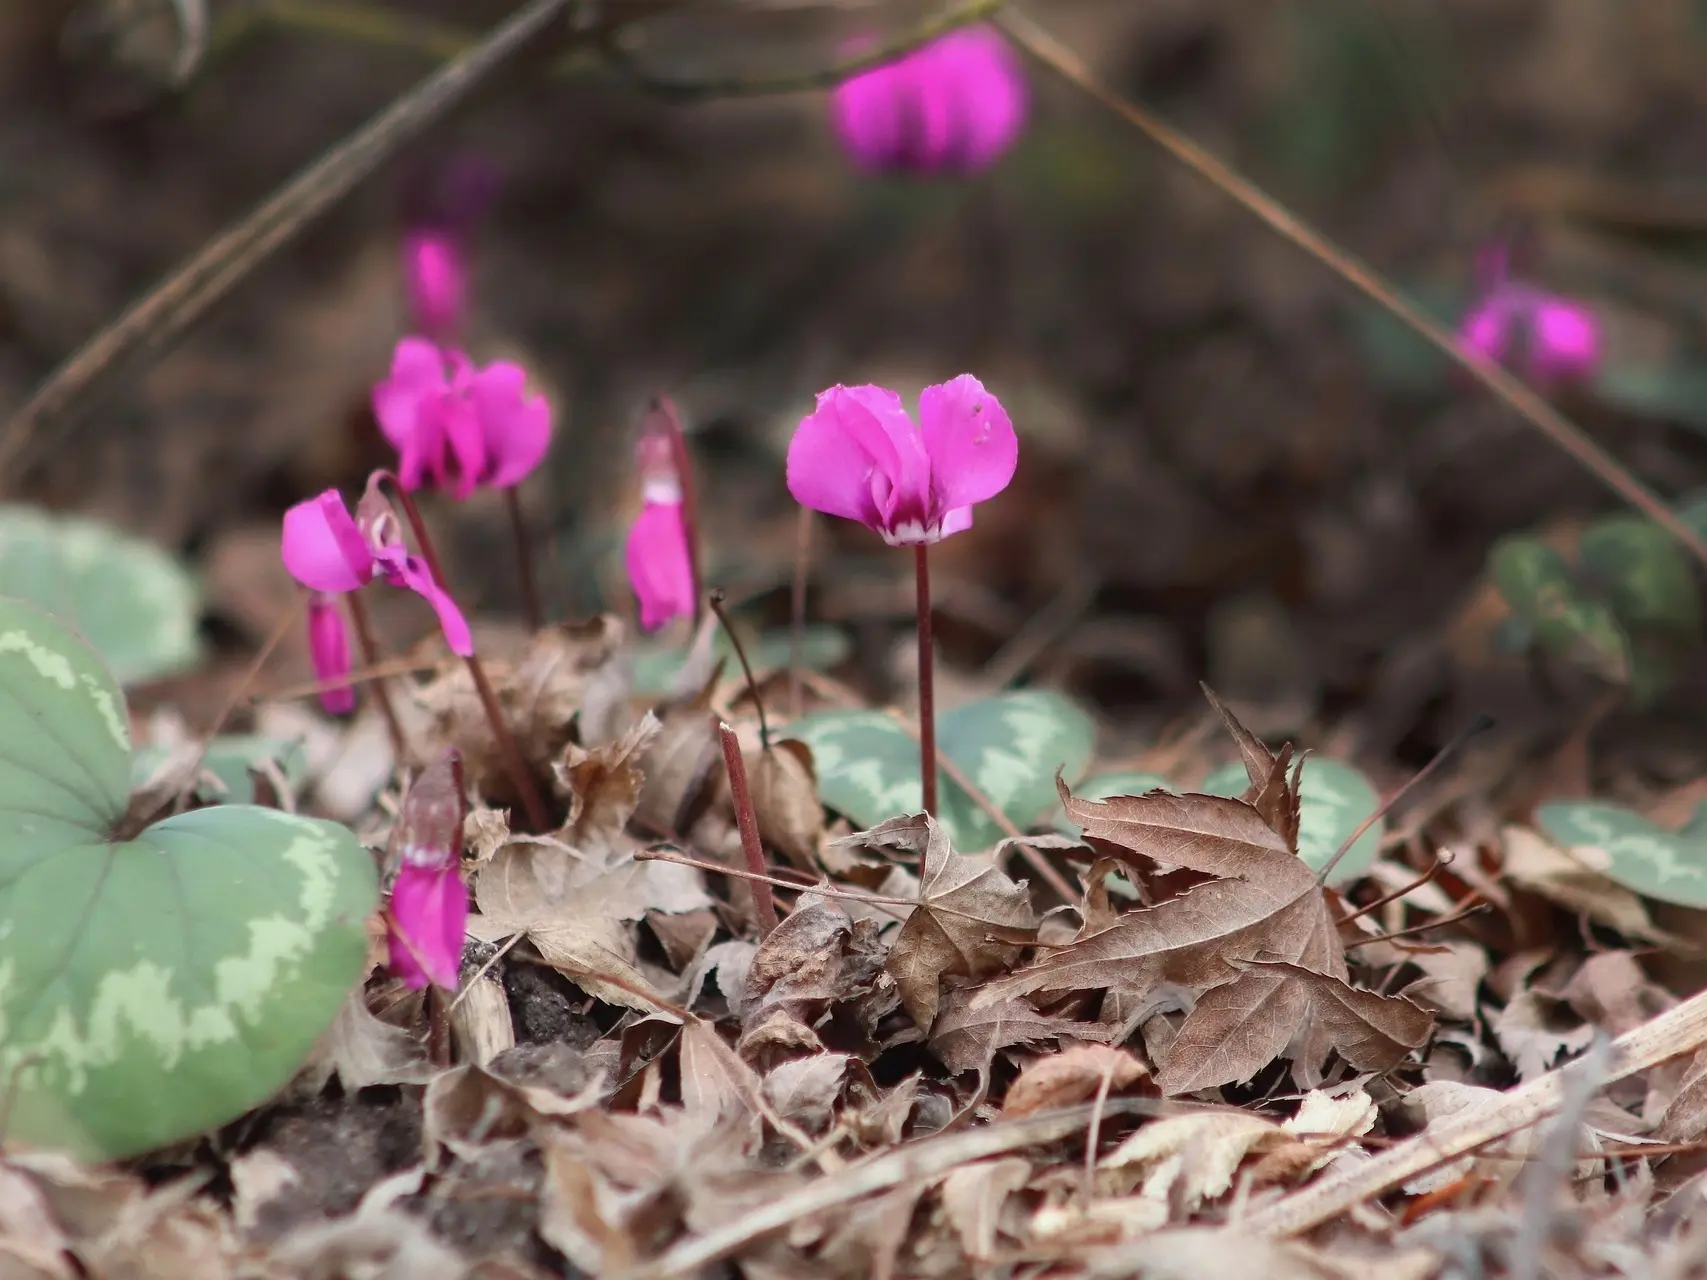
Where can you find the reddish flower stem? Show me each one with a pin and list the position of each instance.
(664, 409)
(927, 681)
(797, 607)
(363, 624)
(524, 560)
(764, 902)
(526, 790)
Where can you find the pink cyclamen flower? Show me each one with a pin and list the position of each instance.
(328, 550)
(436, 281)
(860, 456)
(953, 105)
(457, 425)
(660, 565)
(428, 920)
(329, 649)
(1553, 339)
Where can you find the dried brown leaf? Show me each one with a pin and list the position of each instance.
(1452, 977)
(805, 1090)
(716, 1084)
(1532, 862)
(1215, 835)
(1073, 1075)
(970, 921)
(603, 785)
(480, 1021)
(1371, 1031)
(966, 1035)
(1535, 1029)
(1235, 1030)
(682, 759)
(1189, 1159)
(973, 1197)
(361, 1050)
(814, 959)
(785, 799)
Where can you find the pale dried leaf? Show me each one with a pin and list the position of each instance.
(258, 1178)
(805, 1090)
(683, 758)
(815, 958)
(480, 1021)
(1532, 862)
(32, 1245)
(715, 1083)
(1330, 1116)
(1452, 976)
(1190, 1158)
(1535, 1030)
(966, 1035)
(1611, 991)
(361, 1050)
(973, 1197)
(1074, 1075)
(730, 961)
(603, 784)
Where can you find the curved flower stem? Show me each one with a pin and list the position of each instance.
(927, 681)
(524, 560)
(526, 790)
(665, 408)
(746, 820)
(797, 606)
(370, 654)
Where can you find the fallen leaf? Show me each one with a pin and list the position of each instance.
(1373, 1032)
(970, 921)
(966, 1035)
(1534, 1030)
(361, 1051)
(805, 1090)
(973, 1197)
(716, 1084)
(1452, 977)
(1191, 1158)
(1074, 1075)
(679, 764)
(480, 1021)
(1530, 861)
(1235, 1030)
(603, 786)
(785, 800)
(814, 959)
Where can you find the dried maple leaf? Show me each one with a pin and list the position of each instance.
(973, 1197)
(785, 800)
(814, 959)
(603, 785)
(678, 765)
(805, 1090)
(971, 919)
(1071, 1076)
(1371, 1031)
(966, 1034)
(1235, 1030)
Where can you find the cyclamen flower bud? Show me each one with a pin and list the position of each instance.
(428, 918)
(660, 566)
(436, 281)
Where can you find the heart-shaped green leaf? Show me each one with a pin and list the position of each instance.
(821, 647)
(229, 758)
(1644, 573)
(1628, 849)
(1334, 799)
(127, 597)
(1542, 589)
(155, 987)
(1008, 746)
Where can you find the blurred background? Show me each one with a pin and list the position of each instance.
(1232, 469)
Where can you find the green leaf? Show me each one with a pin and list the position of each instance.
(156, 987)
(1008, 746)
(1644, 573)
(1334, 799)
(1104, 785)
(1630, 850)
(127, 597)
(1539, 585)
(821, 647)
(229, 759)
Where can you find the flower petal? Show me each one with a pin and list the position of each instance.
(329, 650)
(1565, 341)
(659, 568)
(990, 93)
(859, 456)
(971, 442)
(868, 112)
(429, 921)
(322, 547)
(432, 269)
(411, 572)
(514, 423)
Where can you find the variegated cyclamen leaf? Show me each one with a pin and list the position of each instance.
(228, 760)
(133, 602)
(157, 986)
(821, 647)
(1630, 850)
(1008, 746)
(1335, 799)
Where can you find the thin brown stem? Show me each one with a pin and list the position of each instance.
(1440, 864)
(664, 411)
(527, 791)
(363, 625)
(715, 596)
(747, 822)
(797, 607)
(1463, 913)
(1511, 390)
(927, 681)
(524, 560)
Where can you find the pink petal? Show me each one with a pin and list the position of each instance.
(429, 921)
(1487, 330)
(868, 113)
(411, 572)
(322, 547)
(1565, 342)
(859, 456)
(460, 427)
(971, 443)
(432, 268)
(329, 650)
(658, 565)
(406, 406)
(515, 425)
(990, 90)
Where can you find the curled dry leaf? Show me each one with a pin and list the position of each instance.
(1071, 1076)
(1190, 1158)
(361, 1051)
(967, 1034)
(785, 799)
(814, 959)
(603, 785)
(805, 1090)
(1372, 1032)
(971, 919)
(1534, 863)
(679, 764)
(973, 1197)
(480, 1021)
(1535, 1029)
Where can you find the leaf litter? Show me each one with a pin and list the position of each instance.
(930, 1067)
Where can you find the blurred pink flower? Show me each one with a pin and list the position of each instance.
(328, 550)
(860, 456)
(459, 426)
(953, 105)
(1553, 339)
(429, 901)
(437, 284)
(329, 650)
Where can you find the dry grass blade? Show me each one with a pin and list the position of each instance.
(1513, 392)
(1676, 1032)
(911, 1163)
(150, 326)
